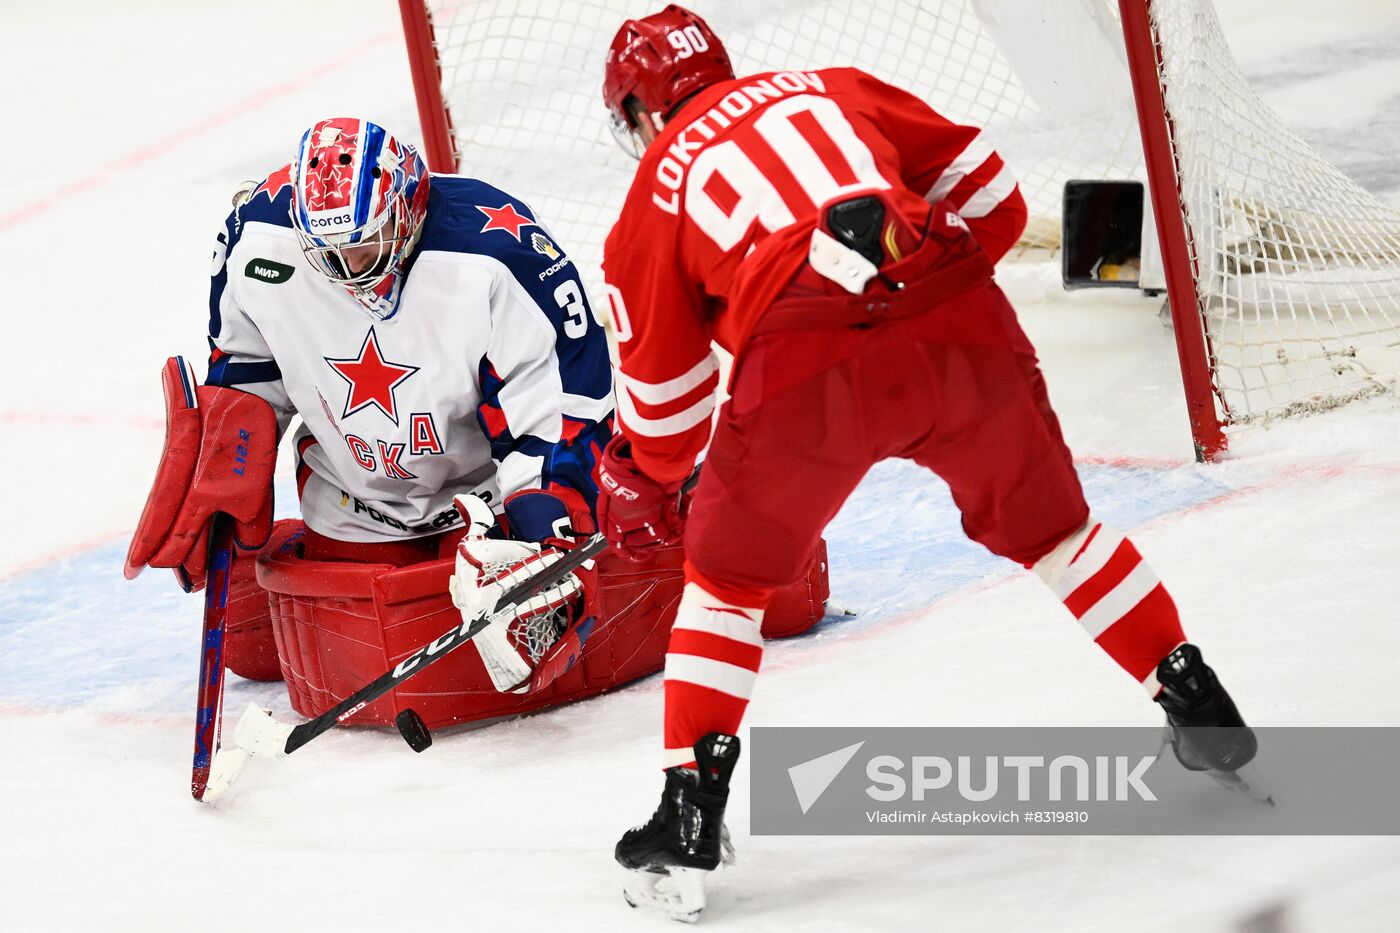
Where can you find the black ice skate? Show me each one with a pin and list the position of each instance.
(1204, 728)
(668, 856)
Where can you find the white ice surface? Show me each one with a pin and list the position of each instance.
(127, 126)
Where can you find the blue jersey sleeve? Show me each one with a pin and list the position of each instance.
(238, 356)
(546, 380)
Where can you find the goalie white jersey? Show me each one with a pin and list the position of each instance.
(490, 376)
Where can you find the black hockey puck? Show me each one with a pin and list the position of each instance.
(414, 730)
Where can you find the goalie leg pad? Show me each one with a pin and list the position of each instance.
(250, 648)
(343, 618)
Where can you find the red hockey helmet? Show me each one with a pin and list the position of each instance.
(660, 60)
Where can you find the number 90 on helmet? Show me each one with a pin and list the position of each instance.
(659, 61)
(359, 200)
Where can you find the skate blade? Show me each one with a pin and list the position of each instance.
(1247, 781)
(677, 892)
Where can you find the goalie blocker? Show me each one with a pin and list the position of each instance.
(219, 455)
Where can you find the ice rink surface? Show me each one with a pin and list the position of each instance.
(128, 127)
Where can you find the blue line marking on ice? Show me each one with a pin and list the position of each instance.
(76, 635)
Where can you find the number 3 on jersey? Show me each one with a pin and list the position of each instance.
(569, 297)
(817, 145)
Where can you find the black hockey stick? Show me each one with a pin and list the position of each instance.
(412, 727)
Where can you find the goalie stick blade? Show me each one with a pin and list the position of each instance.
(260, 734)
(679, 893)
(199, 782)
(414, 730)
(227, 766)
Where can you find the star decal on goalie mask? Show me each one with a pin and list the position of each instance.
(506, 218)
(372, 378)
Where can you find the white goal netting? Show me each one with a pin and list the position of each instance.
(1297, 268)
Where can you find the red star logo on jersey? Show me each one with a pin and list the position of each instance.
(372, 378)
(506, 218)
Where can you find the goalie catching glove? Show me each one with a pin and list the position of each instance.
(543, 636)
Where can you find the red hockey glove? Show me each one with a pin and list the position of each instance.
(635, 512)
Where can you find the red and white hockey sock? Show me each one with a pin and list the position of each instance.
(1115, 595)
(711, 664)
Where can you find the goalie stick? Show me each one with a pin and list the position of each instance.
(208, 715)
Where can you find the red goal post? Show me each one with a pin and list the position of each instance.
(1282, 275)
(439, 141)
(1192, 340)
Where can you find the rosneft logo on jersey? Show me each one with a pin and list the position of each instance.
(542, 245)
(265, 270)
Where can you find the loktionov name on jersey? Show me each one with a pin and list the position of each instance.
(670, 171)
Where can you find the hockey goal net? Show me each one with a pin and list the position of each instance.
(1283, 275)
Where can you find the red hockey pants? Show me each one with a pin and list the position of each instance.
(831, 384)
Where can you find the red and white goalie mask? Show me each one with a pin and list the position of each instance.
(659, 60)
(359, 200)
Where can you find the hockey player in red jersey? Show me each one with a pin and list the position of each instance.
(838, 237)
